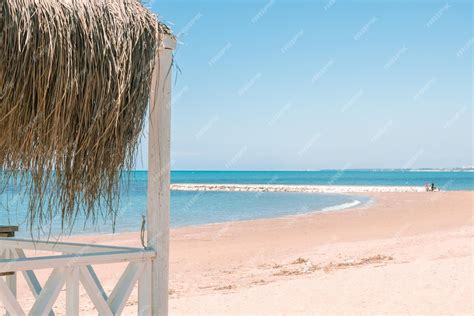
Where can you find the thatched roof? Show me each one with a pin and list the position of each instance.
(75, 77)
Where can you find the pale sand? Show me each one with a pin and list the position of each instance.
(406, 253)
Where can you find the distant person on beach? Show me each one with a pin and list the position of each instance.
(428, 187)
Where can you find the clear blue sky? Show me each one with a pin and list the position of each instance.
(297, 85)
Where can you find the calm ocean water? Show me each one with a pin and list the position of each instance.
(195, 208)
(446, 180)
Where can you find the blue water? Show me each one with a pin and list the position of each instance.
(191, 208)
(196, 208)
(446, 180)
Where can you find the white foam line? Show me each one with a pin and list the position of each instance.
(341, 206)
(293, 188)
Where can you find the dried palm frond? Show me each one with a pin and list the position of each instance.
(74, 85)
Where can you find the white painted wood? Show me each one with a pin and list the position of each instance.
(168, 43)
(67, 247)
(30, 276)
(77, 268)
(120, 294)
(97, 282)
(96, 295)
(11, 279)
(159, 166)
(49, 294)
(72, 291)
(47, 262)
(31, 279)
(9, 300)
(144, 291)
(32, 282)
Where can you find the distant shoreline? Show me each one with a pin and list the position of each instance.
(293, 188)
(456, 169)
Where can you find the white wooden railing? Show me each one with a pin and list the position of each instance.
(73, 266)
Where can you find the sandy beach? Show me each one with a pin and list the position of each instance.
(405, 253)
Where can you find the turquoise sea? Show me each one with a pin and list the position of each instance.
(197, 208)
(446, 180)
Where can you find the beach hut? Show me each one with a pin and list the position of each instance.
(79, 78)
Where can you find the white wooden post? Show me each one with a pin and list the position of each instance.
(144, 293)
(159, 177)
(72, 291)
(11, 279)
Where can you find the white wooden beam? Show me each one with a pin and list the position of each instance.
(67, 247)
(30, 276)
(31, 279)
(9, 300)
(49, 294)
(97, 282)
(159, 165)
(11, 279)
(72, 291)
(144, 291)
(95, 293)
(168, 42)
(121, 292)
(48, 262)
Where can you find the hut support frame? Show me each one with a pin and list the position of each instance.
(73, 265)
(159, 177)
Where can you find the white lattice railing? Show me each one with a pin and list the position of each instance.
(70, 268)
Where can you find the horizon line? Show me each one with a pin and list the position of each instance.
(316, 170)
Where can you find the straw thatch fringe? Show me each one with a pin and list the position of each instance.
(75, 77)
